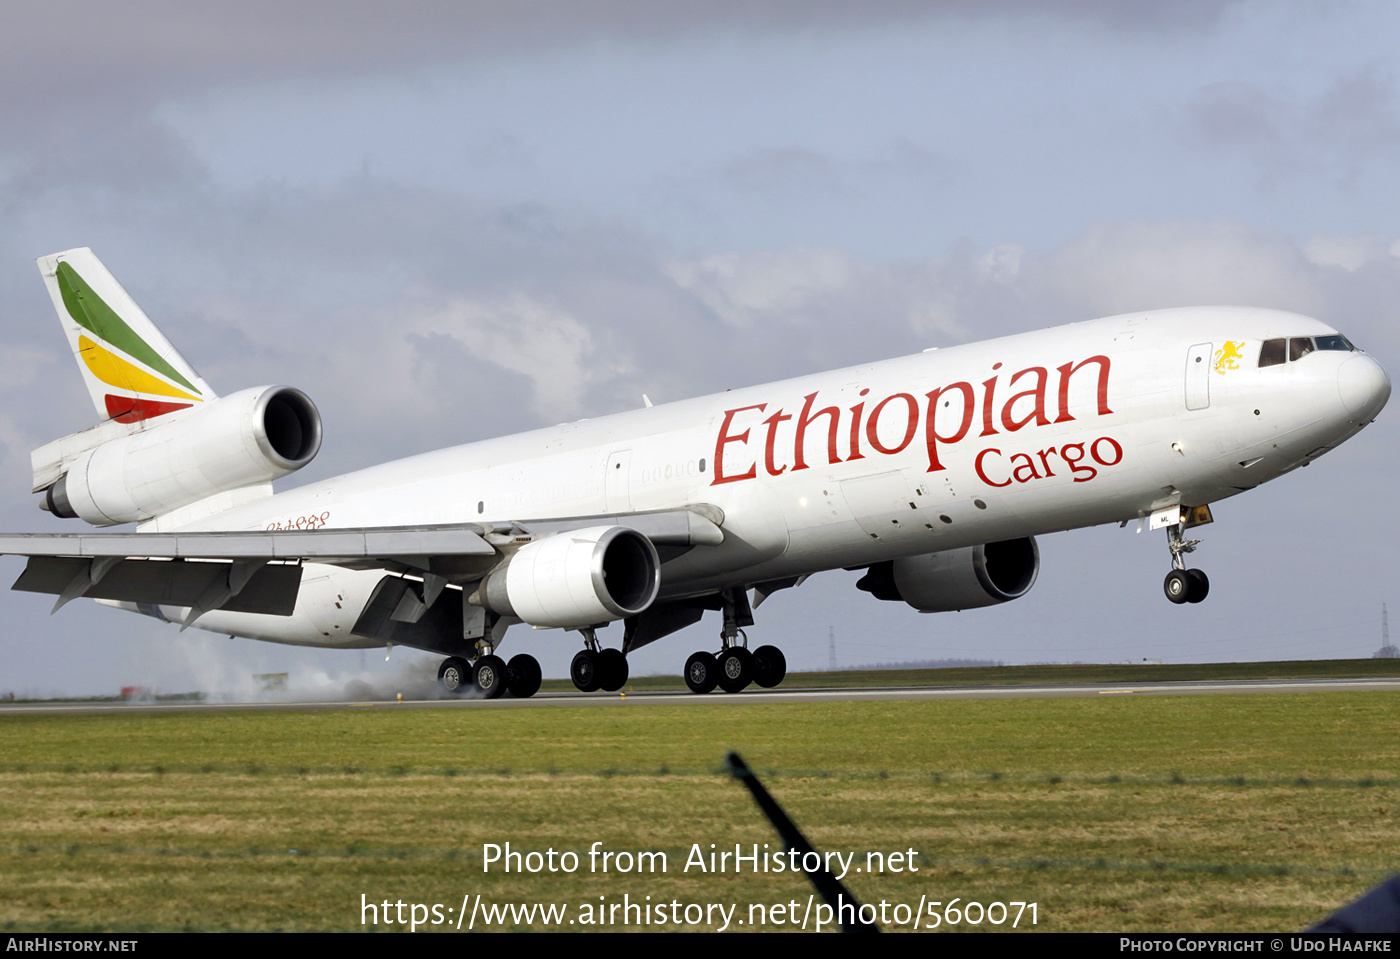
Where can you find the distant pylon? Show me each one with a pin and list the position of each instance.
(831, 648)
(1386, 651)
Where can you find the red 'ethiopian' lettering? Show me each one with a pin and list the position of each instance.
(1037, 393)
(725, 439)
(942, 425)
(871, 426)
(804, 420)
(1069, 370)
(933, 437)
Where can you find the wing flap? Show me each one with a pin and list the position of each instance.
(326, 545)
(271, 590)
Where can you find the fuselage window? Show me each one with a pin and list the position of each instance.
(1299, 347)
(1339, 343)
(1272, 353)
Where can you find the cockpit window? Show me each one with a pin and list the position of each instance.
(1339, 343)
(1299, 347)
(1272, 353)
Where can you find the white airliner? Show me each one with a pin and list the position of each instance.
(933, 473)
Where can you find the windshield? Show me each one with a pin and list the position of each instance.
(1294, 348)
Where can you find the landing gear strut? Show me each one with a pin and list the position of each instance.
(734, 667)
(1183, 585)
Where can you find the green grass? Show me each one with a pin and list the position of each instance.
(1120, 813)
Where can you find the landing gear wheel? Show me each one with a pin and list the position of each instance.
(735, 669)
(769, 666)
(585, 671)
(701, 672)
(489, 674)
(1200, 586)
(612, 669)
(1177, 586)
(523, 676)
(455, 675)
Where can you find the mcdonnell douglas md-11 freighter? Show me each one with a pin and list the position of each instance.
(932, 473)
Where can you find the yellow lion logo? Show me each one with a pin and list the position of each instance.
(1228, 356)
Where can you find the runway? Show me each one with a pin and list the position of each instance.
(682, 698)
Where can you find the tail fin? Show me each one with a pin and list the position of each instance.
(131, 370)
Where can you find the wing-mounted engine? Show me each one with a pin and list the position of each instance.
(574, 579)
(959, 578)
(248, 438)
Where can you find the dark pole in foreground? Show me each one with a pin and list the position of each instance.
(828, 886)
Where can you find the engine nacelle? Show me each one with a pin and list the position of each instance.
(965, 578)
(579, 578)
(253, 436)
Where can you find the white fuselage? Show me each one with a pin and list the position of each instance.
(1075, 426)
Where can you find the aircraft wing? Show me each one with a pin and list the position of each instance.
(260, 571)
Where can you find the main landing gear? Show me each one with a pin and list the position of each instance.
(490, 676)
(1183, 585)
(596, 667)
(734, 667)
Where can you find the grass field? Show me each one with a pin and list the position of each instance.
(1117, 813)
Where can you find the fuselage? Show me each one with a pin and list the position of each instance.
(1079, 425)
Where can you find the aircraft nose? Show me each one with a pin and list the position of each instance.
(1364, 386)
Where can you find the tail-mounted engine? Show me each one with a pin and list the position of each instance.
(579, 578)
(957, 579)
(250, 437)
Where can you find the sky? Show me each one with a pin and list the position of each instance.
(447, 221)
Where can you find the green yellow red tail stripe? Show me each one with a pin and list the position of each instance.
(133, 373)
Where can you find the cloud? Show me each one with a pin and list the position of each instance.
(1349, 253)
(546, 345)
(151, 39)
(782, 168)
(1335, 132)
(1122, 267)
(743, 290)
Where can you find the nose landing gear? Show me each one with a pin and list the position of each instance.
(1184, 585)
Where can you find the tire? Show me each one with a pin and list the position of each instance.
(1177, 586)
(523, 676)
(1200, 586)
(769, 666)
(612, 669)
(489, 675)
(701, 672)
(735, 669)
(585, 671)
(455, 675)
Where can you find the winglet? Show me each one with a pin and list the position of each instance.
(132, 371)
